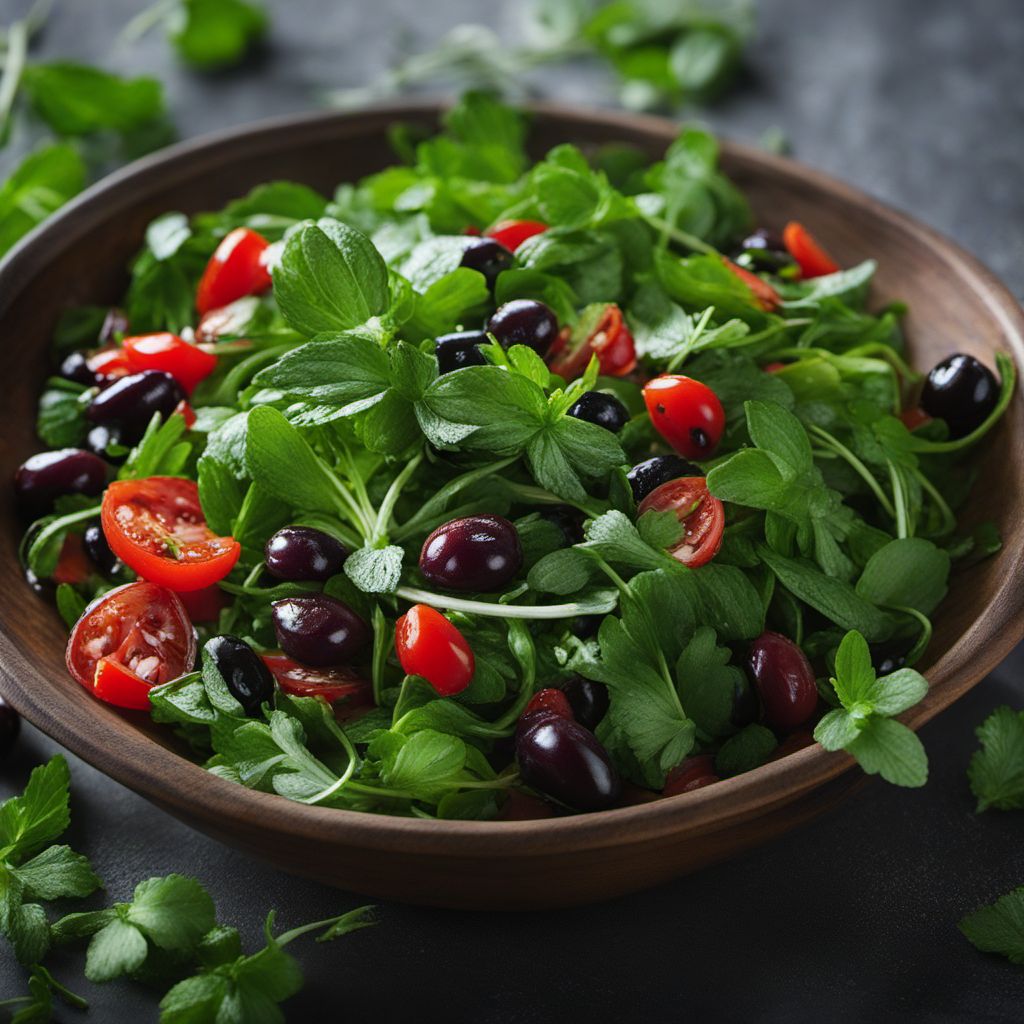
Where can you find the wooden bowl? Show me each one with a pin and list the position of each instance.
(80, 255)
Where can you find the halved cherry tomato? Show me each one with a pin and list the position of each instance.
(809, 255)
(205, 605)
(512, 233)
(156, 527)
(686, 413)
(701, 515)
(303, 681)
(131, 639)
(236, 269)
(691, 773)
(764, 294)
(914, 417)
(187, 364)
(109, 362)
(609, 339)
(187, 413)
(428, 645)
(72, 562)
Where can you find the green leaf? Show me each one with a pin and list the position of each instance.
(894, 693)
(425, 760)
(37, 817)
(446, 302)
(707, 683)
(174, 912)
(353, 921)
(909, 573)
(375, 570)
(748, 749)
(26, 927)
(996, 771)
(999, 928)
(217, 33)
(837, 729)
(197, 1000)
(888, 748)
(777, 431)
(855, 675)
(116, 949)
(330, 279)
(61, 422)
(613, 537)
(56, 873)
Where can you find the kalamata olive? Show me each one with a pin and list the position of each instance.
(562, 759)
(547, 703)
(588, 700)
(487, 256)
(10, 726)
(96, 547)
(602, 409)
(961, 391)
(43, 478)
(784, 680)
(131, 401)
(100, 438)
(454, 351)
(76, 367)
(650, 474)
(478, 553)
(525, 322)
(318, 630)
(248, 679)
(115, 326)
(303, 553)
(569, 521)
(691, 773)
(766, 250)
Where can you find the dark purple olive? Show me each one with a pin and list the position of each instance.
(454, 351)
(563, 760)
(94, 540)
(10, 726)
(76, 367)
(99, 440)
(302, 553)
(766, 250)
(248, 679)
(131, 401)
(478, 553)
(601, 409)
(784, 680)
(744, 702)
(115, 326)
(645, 476)
(961, 391)
(318, 630)
(569, 521)
(487, 256)
(525, 322)
(43, 478)
(588, 700)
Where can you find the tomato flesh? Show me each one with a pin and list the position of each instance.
(809, 255)
(764, 294)
(235, 270)
(156, 527)
(303, 681)
(204, 605)
(686, 413)
(428, 645)
(72, 562)
(512, 233)
(610, 340)
(187, 364)
(131, 639)
(701, 514)
(109, 362)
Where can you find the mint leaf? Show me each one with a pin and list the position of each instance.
(855, 675)
(895, 693)
(909, 573)
(425, 761)
(330, 278)
(117, 948)
(996, 771)
(616, 539)
(37, 817)
(57, 873)
(888, 748)
(173, 912)
(375, 570)
(837, 729)
(999, 928)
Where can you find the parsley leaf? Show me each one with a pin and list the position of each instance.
(999, 928)
(996, 771)
(43, 182)
(217, 33)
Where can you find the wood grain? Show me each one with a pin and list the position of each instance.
(80, 256)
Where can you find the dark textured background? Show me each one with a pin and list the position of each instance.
(851, 919)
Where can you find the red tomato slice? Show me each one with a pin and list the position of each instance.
(302, 681)
(156, 527)
(204, 605)
(686, 413)
(810, 257)
(235, 270)
(430, 646)
(610, 340)
(72, 563)
(512, 233)
(187, 364)
(764, 294)
(109, 362)
(131, 639)
(702, 516)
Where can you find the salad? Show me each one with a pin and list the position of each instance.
(497, 489)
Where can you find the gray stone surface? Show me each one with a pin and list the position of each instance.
(854, 917)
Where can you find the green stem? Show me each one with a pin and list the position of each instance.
(381, 649)
(900, 502)
(402, 693)
(677, 235)
(948, 518)
(499, 611)
(537, 495)
(14, 65)
(350, 750)
(924, 639)
(387, 506)
(862, 471)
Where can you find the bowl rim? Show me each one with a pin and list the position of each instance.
(704, 810)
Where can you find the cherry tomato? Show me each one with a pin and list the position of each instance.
(686, 413)
(701, 514)
(914, 417)
(811, 258)
(302, 681)
(512, 233)
(156, 527)
(131, 639)
(187, 364)
(764, 294)
(691, 773)
(430, 646)
(205, 605)
(72, 562)
(610, 340)
(235, 270)
(187, 413)
(109, 362)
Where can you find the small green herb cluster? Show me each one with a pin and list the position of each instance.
(167, 934)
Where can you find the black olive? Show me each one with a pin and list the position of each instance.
(766, 250)
(454, 351)
(96, 547)
(602, 409)
(76, 367)
(569, 521)
(588, 700)
(115, 326)
(43, 478)
(525, 322)
(131, 401)
(961, 391)
(476, 553)
(100, 438)
(303, 553)
(487, 256)
(645, 476)
(248, 679)
(318, 630)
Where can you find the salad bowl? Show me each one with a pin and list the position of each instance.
(78, 257)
